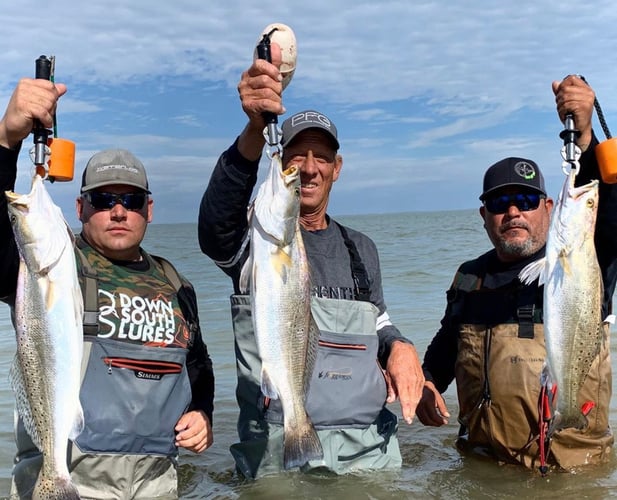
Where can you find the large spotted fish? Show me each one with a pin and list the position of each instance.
(277, 276)
(572, 297)
(48, 324)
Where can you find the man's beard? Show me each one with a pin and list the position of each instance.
(518, 249)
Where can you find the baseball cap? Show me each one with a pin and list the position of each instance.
(305, 120)
(513, 172)
(114, 166)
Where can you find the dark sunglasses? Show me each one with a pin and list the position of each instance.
(106, 201)
(524, 202)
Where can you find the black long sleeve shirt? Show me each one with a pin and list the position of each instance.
(441, 354)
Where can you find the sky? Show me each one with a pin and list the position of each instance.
(425, 94)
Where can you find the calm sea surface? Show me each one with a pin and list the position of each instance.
(419, 254)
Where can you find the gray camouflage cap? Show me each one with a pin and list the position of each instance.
(114, 166)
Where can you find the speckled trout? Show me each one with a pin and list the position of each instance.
(48, 325)
(277, 273)
(572, 297)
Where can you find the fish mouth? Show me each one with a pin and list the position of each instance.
(14, 198)
(292, 169)
(11, 196)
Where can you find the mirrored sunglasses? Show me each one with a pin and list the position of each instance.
(523, 202)
(106, 201)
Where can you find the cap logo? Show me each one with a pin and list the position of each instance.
(310, 117)
(103, 168)
(525, 170)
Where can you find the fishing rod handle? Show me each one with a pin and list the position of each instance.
(270, 119)
(43, 72)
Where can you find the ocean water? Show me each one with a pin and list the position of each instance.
(419, 252)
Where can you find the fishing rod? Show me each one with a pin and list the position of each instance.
(263, 52)
(40, 133)
(284, 37)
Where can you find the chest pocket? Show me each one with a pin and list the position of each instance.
(133, 397)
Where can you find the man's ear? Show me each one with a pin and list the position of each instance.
(338, 165)
(79, 207)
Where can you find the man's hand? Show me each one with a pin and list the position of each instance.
(260, 91)
(194, 431)
(573, 95)
(32, 99)
(432, 409)
(404, 378)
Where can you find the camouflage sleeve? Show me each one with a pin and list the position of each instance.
(606, 224)
(9, 256)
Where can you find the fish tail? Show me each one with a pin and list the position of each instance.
(576, 421)
(567, 420)
(55, 488)
(301, 445)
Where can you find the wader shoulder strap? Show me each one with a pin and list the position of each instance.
(89, 290)
(468, 278)
(186, 296)
(358, 270)
(170, 272)
(526, 310)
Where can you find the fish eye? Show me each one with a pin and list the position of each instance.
(590, 203)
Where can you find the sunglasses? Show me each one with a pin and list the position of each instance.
(524, 202)
(106, 201)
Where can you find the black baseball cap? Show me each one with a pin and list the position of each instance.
(513, 171)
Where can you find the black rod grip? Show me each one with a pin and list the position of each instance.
(43, 72)
(263, 52)
(43, 68)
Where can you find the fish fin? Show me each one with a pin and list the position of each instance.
(281, 261)
(50, 293)
(52, 252)
(267, 387)
(311, 352)
(555, 424)
(21, 402)
(301, 444)
(546, 376)
(78, 422)
(565, 262)
(245, 276)
(533, 271)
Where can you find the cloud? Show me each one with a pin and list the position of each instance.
(417, 89)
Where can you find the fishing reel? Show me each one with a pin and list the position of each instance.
(53, 158)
